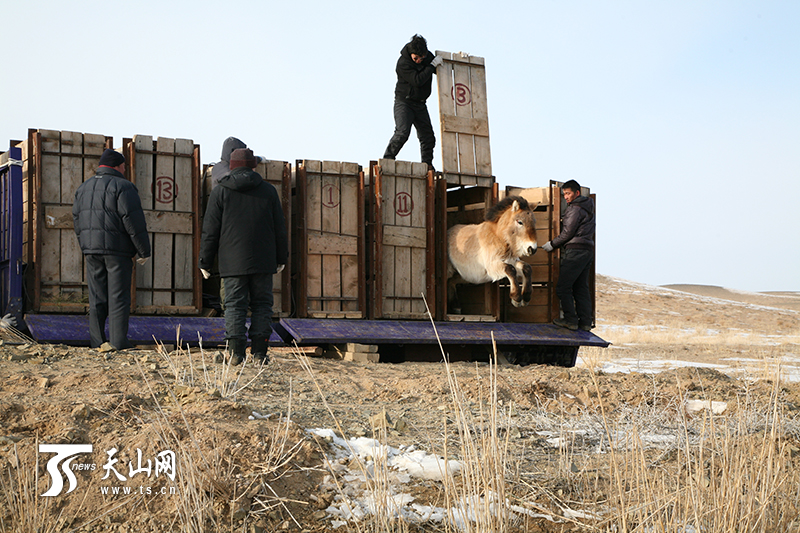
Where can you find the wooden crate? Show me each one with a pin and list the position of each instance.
(329, 243)
(55, 164)
(544, 305)
(167, 173)
(279, 175)
(402, 262)
(464, 118)
(463, 205)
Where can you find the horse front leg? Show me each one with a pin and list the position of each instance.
(527, 277)
(516, 294)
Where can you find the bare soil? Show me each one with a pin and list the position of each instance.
(262, 471)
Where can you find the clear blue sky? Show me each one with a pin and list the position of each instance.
(683, 116)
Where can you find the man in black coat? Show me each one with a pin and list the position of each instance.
(415, 70)
(245, 228)
(109, 222)
(577, 239)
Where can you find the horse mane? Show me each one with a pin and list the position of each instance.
(494, 212)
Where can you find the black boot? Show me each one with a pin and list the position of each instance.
(236, 350)
(258, 348)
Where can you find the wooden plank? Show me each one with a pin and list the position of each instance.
(350, 225)
(405, 237)
(389, 283)
(143, 179)
(403, 209)
(331, 222)
(463, 107)
(325, 243)
(49, 179)
(163, 244)
(185, 260)
(444, 75)
(419, 249)
(483, 157)
(71, 179)
(466, 125)
(314, 223)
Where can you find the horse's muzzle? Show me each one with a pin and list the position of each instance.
(531, 250)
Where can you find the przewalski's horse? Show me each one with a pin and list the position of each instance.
(491, 250)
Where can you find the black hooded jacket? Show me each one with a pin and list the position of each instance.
(413, 79)
(108, 217)
(577, 225)
(223, 167)
(244, 226)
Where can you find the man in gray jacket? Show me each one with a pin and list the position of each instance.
(577, 239)
(109, 222)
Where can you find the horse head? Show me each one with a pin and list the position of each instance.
(515, 223)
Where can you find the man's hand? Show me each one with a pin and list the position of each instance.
(141, 260)
(547, 247)
(8, 321)
(436, 61)
(206, 274)
(280, 269)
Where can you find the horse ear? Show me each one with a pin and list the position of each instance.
(515, 206)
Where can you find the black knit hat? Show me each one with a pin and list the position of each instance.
(111, 158)
(243, 157)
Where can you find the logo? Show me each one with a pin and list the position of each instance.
(65, 453)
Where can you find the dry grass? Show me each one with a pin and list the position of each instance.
(210, 497)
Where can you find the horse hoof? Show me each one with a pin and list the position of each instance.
(521, 303)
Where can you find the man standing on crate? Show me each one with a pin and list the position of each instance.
(415, 70)
(577, 239)
(109, 222)
(244, 227)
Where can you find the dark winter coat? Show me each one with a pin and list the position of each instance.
(577, 225)
(244, 226)
(224, 166)
(108, 216)
(413, 79)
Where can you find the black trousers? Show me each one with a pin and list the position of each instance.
(572, 287)
(109, 280)
(409, 113)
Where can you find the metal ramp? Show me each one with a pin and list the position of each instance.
(400, 341)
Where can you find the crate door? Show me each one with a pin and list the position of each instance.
(404, 249)
(63, 161)
(464, 117)
(330, 241)
(167, 173)
(278, 174)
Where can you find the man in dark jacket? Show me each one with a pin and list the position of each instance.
(415, 70)
(244, 227)
(109, 222)
(577, 239)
